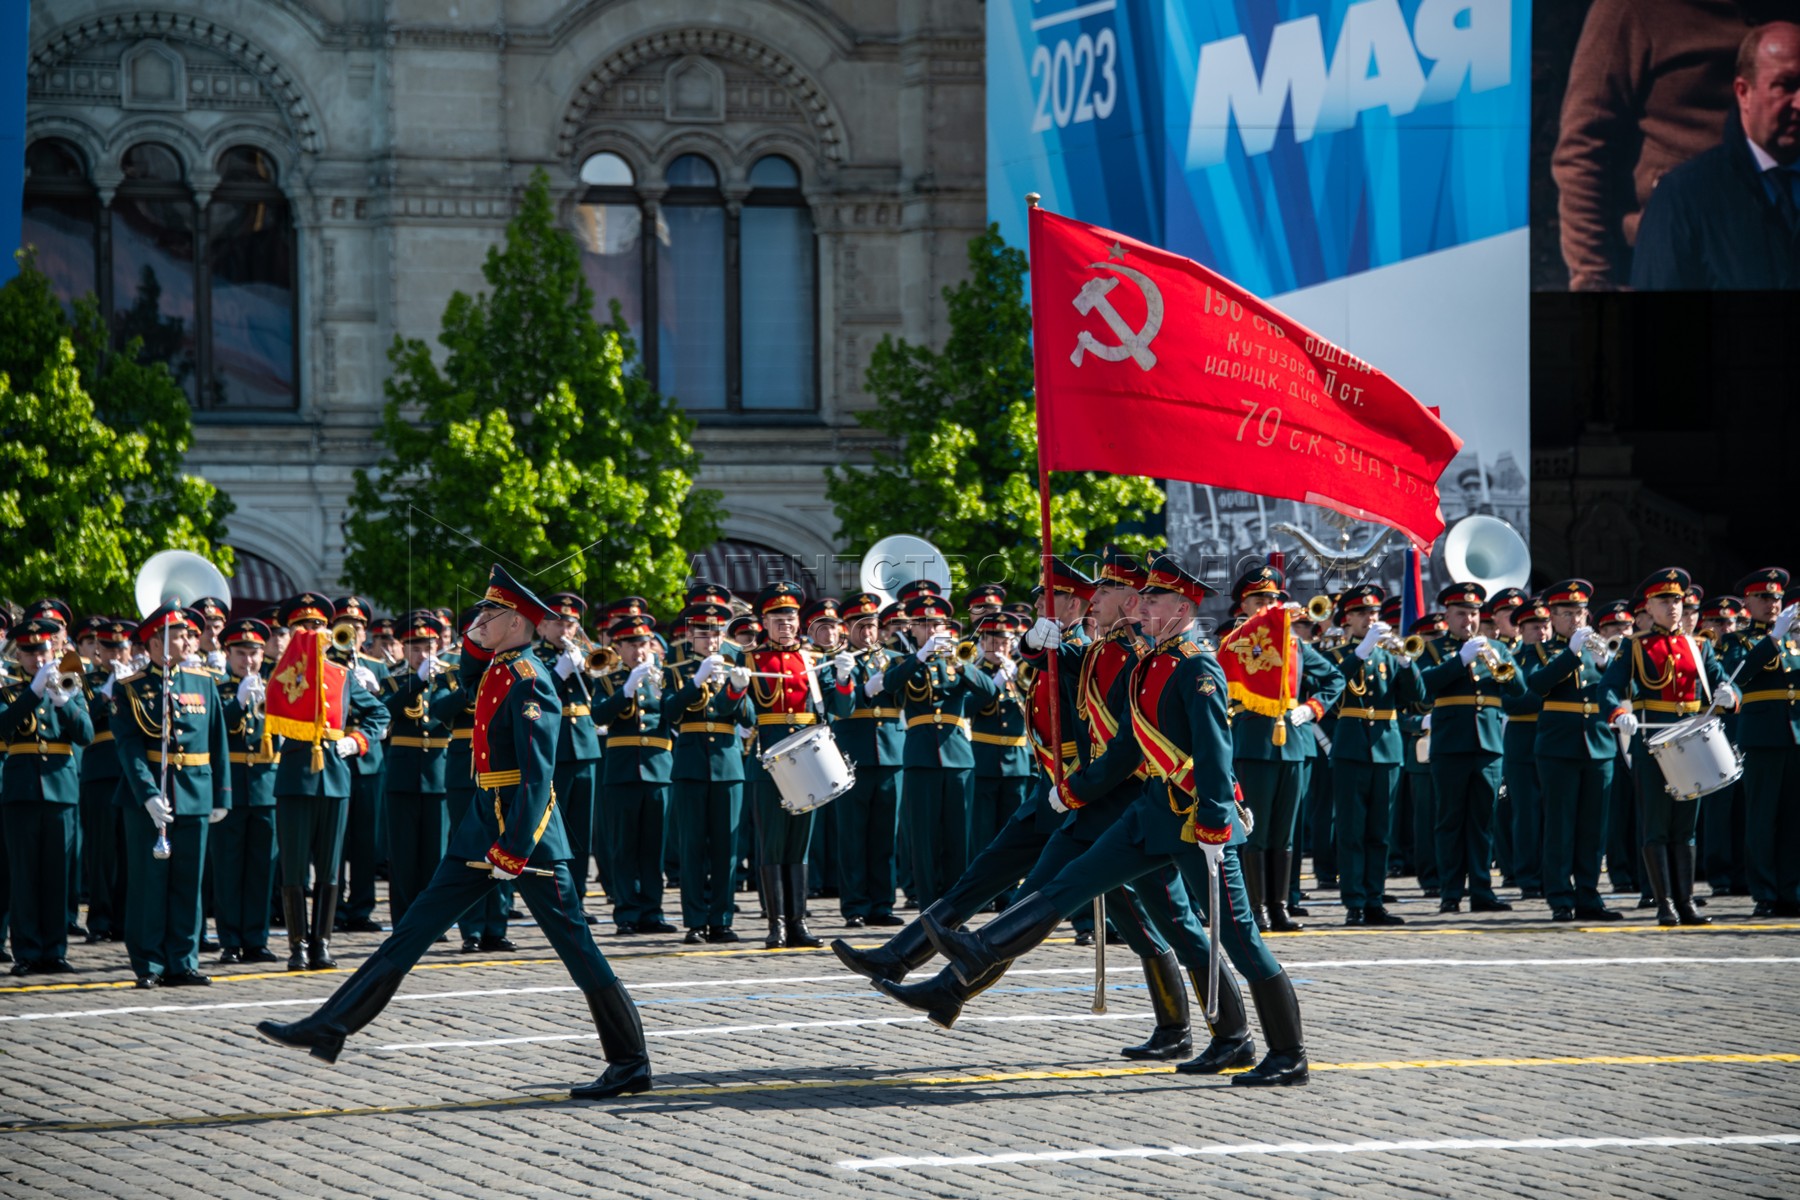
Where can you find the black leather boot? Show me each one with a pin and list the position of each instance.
(1279, 1011)
(622, 1042)
(1251, 861)
(352, 1006)
(293, 915)
(1275, 883)
(798, 935)
(318, 956)
(905, 952)
(1231, 1045)
(1012, 933)
(777, 910)
(1682, 858)
(1656, 871)
(1168, 1000)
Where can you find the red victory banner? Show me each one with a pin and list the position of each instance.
(305, 696)
(1149, 364)
(1262, 666)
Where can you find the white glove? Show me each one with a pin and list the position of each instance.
(1371, 639)
(637, 675)
(1784, 621)
(743, 731)
(1425, 725)
(106, 688)
(501, 873)
(1215, 858)
(247, 689)
(843, 664)
(215, 659)
(345, 747)
(1300, 714)
(1579, 638)
(1056, 800)
(873, 685)
(566, 665)
(738, 678)
(1006, 672)
(58, 697)
(711, 665)
(1471, 648)
(216, 815)
(427, 667)
(935, 643)
(1726, 696)
(1626, 723)
(1046, 632)
(365, 677)
(159, 811)
(45, 672)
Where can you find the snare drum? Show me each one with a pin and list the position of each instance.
(1696, 757)
(808, 769)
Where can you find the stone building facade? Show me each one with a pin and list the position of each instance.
(272, 190)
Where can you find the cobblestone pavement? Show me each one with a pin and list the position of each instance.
(1457, 1056)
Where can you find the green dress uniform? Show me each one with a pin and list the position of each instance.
(1421, 796)
(1768, 730)
(452, 705)
(1004, 772)
(937, 698)
(162, 906)
(708, 775)
(1316, 828)
(1574, 753)
(1521, 855)
(1366, 755)
(872, 736)
(635, 793)
(101, 823)
(1467, 741)
(365, 826)
(242, 844)
(578, 770)
(39, 798)
(418, 751)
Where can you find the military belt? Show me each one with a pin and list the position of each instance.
(1465, 701)
(461, 735)
(646, 743)
(498, 779)
(798, 718)
(422, 743)
(179, 758)
(576, 710)
(1666, 706)
(877, 714)
(998, 739)
(705, 727)
(1570, 706)
(1788, 694)
(45, 748)
(105, 735)
(1371, 714)
(1521, 718)
(251, 758)
(938, 718)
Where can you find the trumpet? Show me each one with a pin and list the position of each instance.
(68, 673)
(967, 653)
(1500, 670)
(1319, 608)
(1597, 651)
(1408, 648)
(343, 637)
(601, 660)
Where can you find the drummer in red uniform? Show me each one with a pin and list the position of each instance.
(1659, 677)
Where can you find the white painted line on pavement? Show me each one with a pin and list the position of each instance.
(1277, 1148)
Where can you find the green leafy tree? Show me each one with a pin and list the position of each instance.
(537, 443)
(91, 446)
(964, 419)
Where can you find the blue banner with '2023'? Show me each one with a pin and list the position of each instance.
(1283, 144)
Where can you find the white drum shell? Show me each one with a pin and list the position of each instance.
(1696, 757)
(808, 769)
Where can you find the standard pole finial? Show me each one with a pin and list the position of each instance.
(1031, 199)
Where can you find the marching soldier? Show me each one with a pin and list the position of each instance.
(418, 751)
(512, 832)
(313, 784)
(365, 826)
(635, 707)
(452, 705)
(985, 600)
(1466, 675)
(1722, 851)
(1271, 769)
(1519, 771)
(1003, 766)
(242, 844)
(578, 751)
(101, 827)
(1768, 729)
(1415, 728)
(708, 778)
(1664, 675)
(1574, 753)
(1365, 754)
(1499, 622)
(824, 626)
(872, 736)
(176, 797)
(41, 724)
(1624, 860)
(212, 613)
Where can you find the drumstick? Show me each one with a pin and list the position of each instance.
(488, 866)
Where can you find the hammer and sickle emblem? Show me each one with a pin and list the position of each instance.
(1133, 343)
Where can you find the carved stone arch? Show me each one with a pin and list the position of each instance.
(822, 115)
(272, 537)
(785, 144)
(750, 522)
(272, 142)
(73, 128)
(297, 107)
(638, 154)
(176, 134)
(709, 144)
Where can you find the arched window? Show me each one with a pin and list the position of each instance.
(210, 291)
(733, 291)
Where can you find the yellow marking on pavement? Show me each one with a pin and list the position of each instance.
(896, 1081)
(468, 964)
